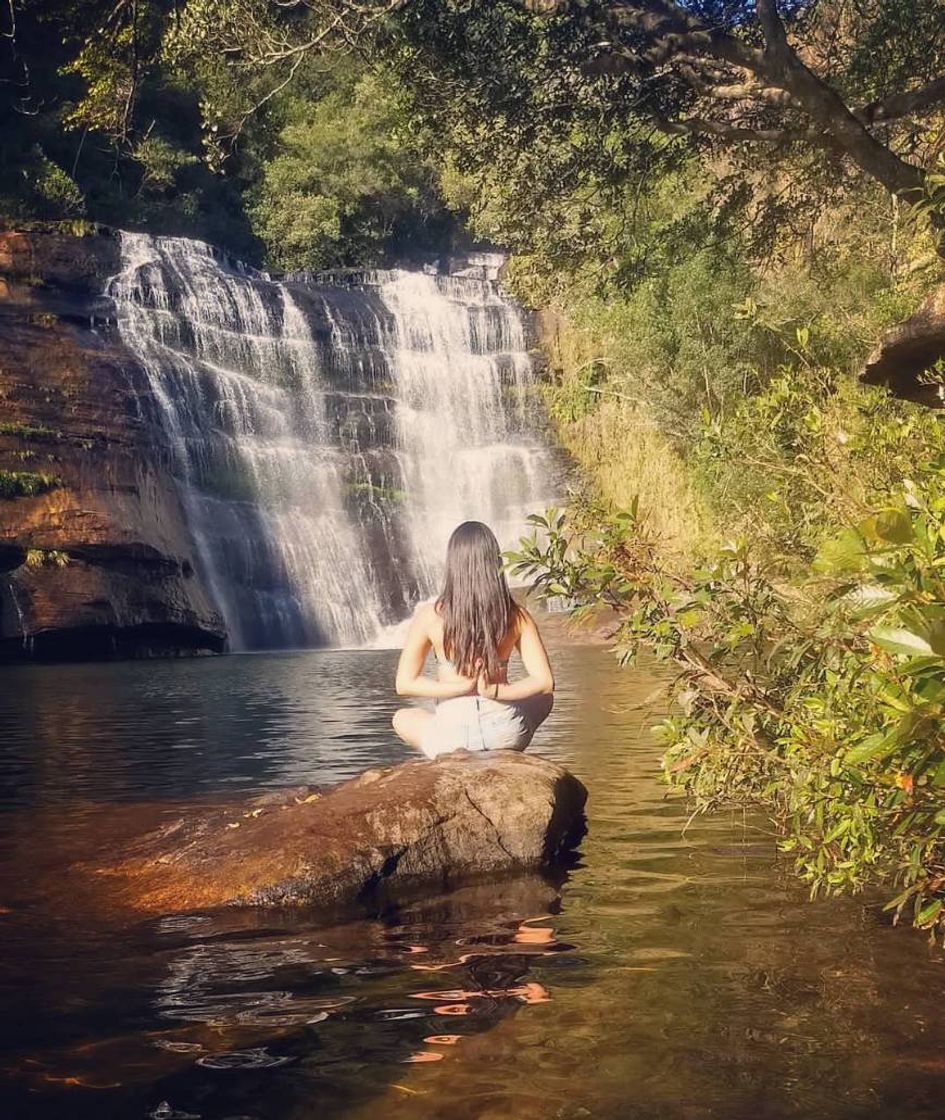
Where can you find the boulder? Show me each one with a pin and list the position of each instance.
(419, 826)
(905, 355)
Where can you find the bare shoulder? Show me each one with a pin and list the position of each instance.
(427, 616)
(525, 620)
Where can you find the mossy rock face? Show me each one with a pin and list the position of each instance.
(26, 484)
(372, 492)
(95, 555)
(52, 255)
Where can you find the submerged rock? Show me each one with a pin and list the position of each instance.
(420, 825)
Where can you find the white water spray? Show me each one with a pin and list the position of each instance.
(327, 438)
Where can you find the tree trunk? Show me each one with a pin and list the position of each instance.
(826, 108)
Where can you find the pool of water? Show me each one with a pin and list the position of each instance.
(678, 972)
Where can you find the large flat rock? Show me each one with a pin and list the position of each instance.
(420, 825)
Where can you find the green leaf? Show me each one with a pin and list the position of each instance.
(895, 697)
(928, 913)
(868, 599)
(900, 641)
(845, 552)
(838, 830)
(875, 746)
(892, 525)
(921, 665)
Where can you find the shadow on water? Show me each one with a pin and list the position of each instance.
(673, 975)
(199, 1008)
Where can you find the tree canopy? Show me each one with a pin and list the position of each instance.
(785, 104)
(855, 80)
(168, 107)
(147, 113)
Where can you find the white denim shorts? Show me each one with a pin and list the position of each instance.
(476, 723)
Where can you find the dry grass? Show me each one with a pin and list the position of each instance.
(612, 439)
(625, 456)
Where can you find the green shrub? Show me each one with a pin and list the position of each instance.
(46, 558)
(806, 454)
(56, 193)
(824, 707)
(26, 484)
(27, 431)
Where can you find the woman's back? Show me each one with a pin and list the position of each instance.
(447, 669)
(472, 629)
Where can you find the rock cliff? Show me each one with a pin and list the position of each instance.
(95, 556)
(907, 357)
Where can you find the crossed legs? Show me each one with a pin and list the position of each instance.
(410, 723)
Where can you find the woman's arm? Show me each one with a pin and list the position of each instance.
(410, 679)
(538, 680)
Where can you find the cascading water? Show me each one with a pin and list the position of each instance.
(459, 361)
(327, 437)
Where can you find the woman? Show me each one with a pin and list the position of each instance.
(472, 628)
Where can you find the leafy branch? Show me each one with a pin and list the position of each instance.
(826, 708)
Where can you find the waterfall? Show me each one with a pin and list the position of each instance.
(328, 433)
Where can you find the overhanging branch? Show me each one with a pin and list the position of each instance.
(703, 126)
(911, 103)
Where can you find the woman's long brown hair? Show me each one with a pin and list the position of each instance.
(476, 606)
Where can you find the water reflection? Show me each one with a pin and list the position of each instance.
(253, 992)
(161, 729)
(677, 976)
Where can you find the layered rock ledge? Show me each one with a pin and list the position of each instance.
(97, 560)
(418, 826)
(907, 357)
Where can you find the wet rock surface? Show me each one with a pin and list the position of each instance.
(418, 826)
(100, 562)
